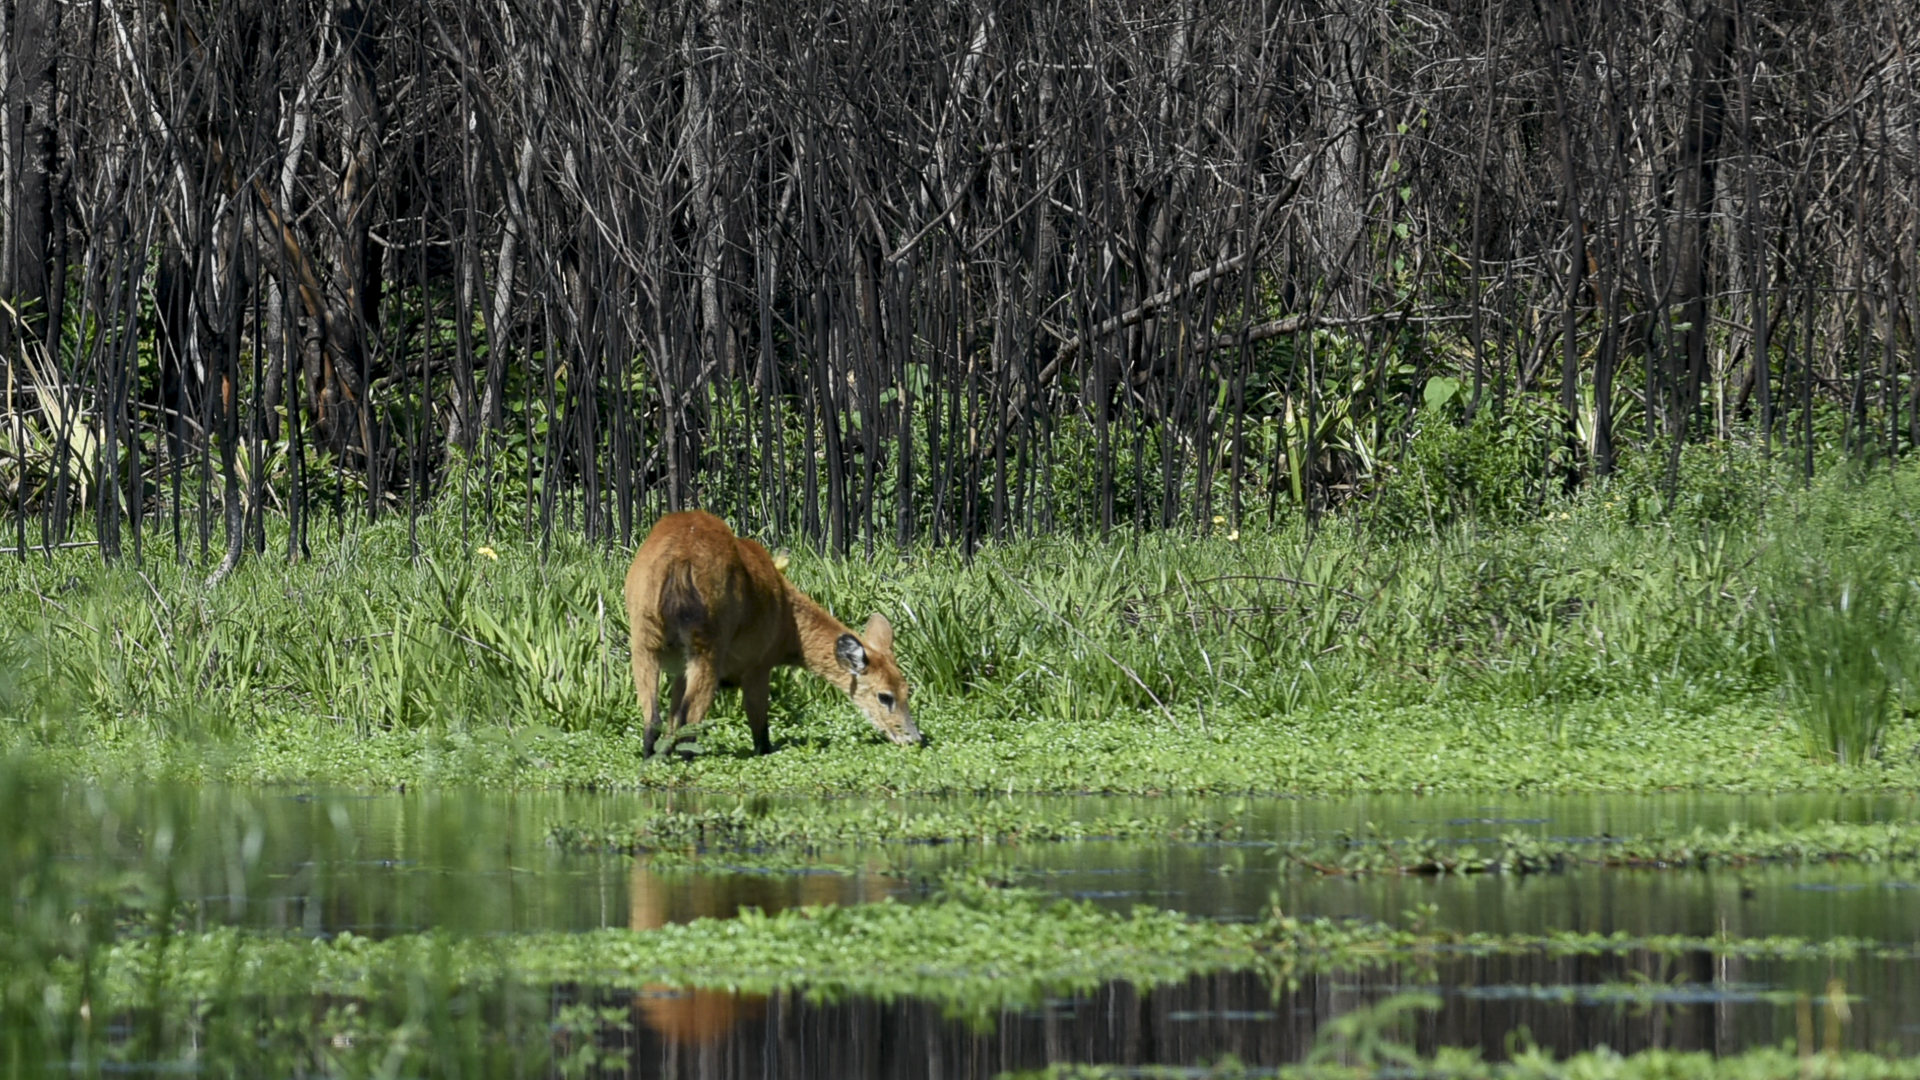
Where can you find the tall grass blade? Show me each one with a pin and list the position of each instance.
(1841, 640)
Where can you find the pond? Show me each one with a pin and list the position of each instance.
(323, 864)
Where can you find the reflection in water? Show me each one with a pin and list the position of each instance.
(702, 1018)
(695, 1017)
(656, 898)
(476, 863)
(1874, 900)
(1708, 1004)
(479, 862)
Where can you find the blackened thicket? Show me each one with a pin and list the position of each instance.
(923, 271)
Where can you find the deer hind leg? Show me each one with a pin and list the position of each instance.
(692, 696)
(646, 683)
(756, 694)
(674, 711)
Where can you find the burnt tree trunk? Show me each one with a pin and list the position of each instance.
(1694, 191)
(27, 282)
(354, 300)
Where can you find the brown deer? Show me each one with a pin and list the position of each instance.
(712, 610)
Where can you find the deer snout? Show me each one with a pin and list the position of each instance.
(907, 734)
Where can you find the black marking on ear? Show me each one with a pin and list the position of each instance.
(851, 654)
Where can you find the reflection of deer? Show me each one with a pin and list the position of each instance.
(695, 1017)
(712, 610)
(683, 1016)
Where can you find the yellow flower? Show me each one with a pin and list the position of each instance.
(488, 553)
(780, 561)
(1234, 535)
(1219, 519)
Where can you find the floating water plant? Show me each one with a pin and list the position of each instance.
(808, 828)
(1770, 1063)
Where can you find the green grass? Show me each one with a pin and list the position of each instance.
(1842, 642)
(1595, 646)
(1618, 745)
(1753, 637)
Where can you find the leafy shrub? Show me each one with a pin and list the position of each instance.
(1487, 471)
(1729, 483)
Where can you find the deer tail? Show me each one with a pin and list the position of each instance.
(682, 610)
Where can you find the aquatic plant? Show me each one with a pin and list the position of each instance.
(1697, 848)
(1767, 1063)
(812, 828)
(976, 947)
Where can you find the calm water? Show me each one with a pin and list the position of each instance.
(475, 863)
(1708, 1006)
(480, 862)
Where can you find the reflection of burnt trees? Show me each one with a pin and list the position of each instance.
(941, 273)
(1564, 1005)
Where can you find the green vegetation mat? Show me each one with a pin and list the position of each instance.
(1769, 1063)
(1516, 853)
(1626, 746)
(975, 950)
(824, 826)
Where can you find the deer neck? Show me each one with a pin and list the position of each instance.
(817, 631)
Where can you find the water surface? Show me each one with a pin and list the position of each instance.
(1495, 1004)
(480, 862)
(323, 863)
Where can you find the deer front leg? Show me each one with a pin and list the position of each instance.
(756, 693)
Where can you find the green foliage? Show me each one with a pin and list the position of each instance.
(1699, 848)
(1840, 583)
(1728, 484)
(813, 826)
(973, 948)
(1372, 1037)
(1489, 471)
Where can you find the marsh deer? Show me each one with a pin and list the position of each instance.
(712, 610)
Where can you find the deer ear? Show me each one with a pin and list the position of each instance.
(879, 633)
(851, 654)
